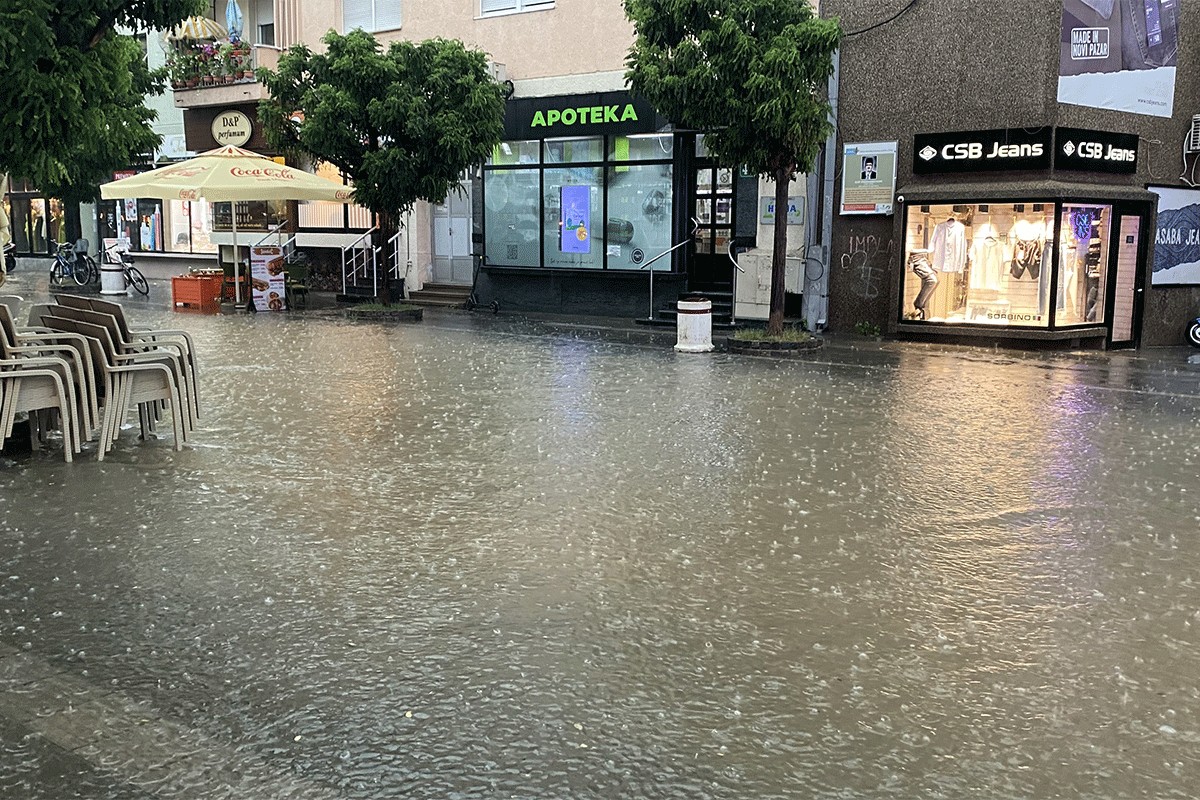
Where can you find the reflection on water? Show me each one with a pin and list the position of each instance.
(428, 562)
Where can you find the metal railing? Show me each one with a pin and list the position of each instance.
(695, 227)
(394, 244)
(733, 289)
(360, 257)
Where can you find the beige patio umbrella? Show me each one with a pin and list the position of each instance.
(198, 29)
(226, 175)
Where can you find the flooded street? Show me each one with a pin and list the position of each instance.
(453, 560)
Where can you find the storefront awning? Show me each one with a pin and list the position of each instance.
(926, 192)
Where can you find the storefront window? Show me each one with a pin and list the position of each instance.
(611, 209)
(519, 152)
(573, 209)
(574, 151)
(156, 226)
(642, 147)
(511, 201)
(985, 264)
(1083, 262)
(639, 215)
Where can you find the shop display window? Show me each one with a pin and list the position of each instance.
(984, 264)
(574, 151)
(510, 217)
(639, 216)
(516, 152)
(640, 147)
(581, 203)
(1083, 263)
(571, 211)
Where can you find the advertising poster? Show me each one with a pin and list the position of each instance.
(1119, 54)
(575, 219)
(868, 177)
(267, 278)
(1176, 237)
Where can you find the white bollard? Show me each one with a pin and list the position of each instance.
(693, 325)
(112, 279)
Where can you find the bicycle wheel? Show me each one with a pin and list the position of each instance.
(135, 278)
(57, 274)
(79, 271)
(93, 269)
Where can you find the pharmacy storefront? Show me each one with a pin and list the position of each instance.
(577, 200)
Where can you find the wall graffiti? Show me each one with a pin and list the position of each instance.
(867, 258)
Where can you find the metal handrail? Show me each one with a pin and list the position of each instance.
(695, 227)
(733, 290)
(394, 244)
(276, 231)
(350, 266)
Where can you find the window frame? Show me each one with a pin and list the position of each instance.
(375, 25)
(518, 7)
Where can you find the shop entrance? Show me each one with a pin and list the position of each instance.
(452, 237)
(1127, 282)
(709, 267)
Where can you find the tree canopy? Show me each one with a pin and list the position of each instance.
(401, 123)
(751, 74)
(73, 106)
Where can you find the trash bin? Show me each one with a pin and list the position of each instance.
(693, 325)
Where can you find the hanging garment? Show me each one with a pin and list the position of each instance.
(988, 256)
(1027, 256)
(949, 246)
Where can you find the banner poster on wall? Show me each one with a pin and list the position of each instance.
(868, 177)
(1176, 237)
(575, 219)
(267, 278)
(1119, 54)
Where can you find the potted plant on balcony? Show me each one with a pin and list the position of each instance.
(229, 66)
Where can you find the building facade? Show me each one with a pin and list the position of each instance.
(1035, 147)
(651, 213)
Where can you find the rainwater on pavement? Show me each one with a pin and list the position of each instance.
(454, 559)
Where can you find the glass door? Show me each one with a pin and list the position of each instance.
(713, 215)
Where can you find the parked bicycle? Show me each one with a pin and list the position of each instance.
(72, 262)
(133, 276)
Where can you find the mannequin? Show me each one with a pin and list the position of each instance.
(918, 262)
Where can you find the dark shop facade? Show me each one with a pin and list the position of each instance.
(1046, 190)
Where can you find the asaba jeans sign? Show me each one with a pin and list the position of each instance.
(1005, 149)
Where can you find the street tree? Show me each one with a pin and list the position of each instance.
(402, 123)
(72, 108)
(752, 74)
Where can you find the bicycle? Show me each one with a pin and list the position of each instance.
(72, 261)
(133, 276)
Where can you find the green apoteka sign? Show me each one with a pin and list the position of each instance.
(616, 113)
(585, 115)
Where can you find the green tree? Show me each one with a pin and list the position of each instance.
(752, 74)
(401, 123)
(73, 104)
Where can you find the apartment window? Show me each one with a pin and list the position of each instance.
(370, 15)
(508, 6)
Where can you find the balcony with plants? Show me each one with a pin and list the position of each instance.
(218, 73)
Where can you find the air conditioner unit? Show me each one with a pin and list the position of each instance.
(1191, 154)
(499, 73)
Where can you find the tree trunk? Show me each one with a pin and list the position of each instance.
(779, 252)
(388, 227)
